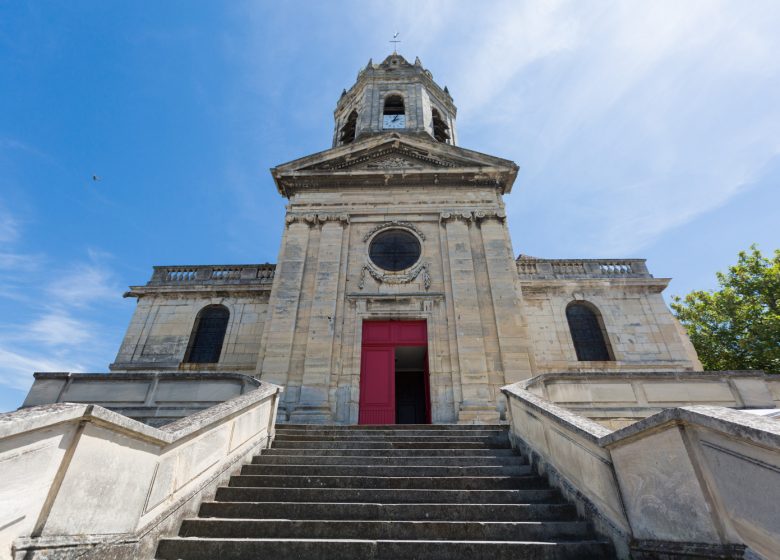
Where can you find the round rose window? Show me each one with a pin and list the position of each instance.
(394, 250)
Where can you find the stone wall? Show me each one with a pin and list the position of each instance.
(640, 329)
(163, 321)
(465, 286)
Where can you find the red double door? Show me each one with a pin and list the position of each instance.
(377, 368)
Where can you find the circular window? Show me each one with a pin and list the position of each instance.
(394, 250)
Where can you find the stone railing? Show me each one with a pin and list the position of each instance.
(616, 399)
(698, 481)
(155, 399)
(547, 269)
(212, 274)
(81, 481)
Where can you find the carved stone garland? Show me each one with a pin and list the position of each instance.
(395, 278)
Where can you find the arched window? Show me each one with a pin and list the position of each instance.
(587, 332)
(207, 335)
(348, 131)
(393, 113)
(440, 127)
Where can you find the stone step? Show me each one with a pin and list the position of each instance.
(501, 439)
(392, 470)
(378, 434)
(401, 461)
(379, 495)
(384, 530)
(399, 483)
(393, 453)
(378, 444)
(321, 549)
(389, 512)
(380, 427)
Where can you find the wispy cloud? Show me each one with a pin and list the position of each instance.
(57, 325)
(83, 285)
(628, 119)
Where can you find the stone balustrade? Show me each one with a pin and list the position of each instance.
(546, 269)
(215, 274)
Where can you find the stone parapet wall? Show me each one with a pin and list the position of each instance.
(155, 399)
(619, 398)
(81, 481)
(690, 482)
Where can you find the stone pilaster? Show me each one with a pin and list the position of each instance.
(279, 331)
(313, 405)
(512, 333)
(476, 406)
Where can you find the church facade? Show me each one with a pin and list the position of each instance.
(396, 296)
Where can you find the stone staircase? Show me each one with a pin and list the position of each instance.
(386, 492)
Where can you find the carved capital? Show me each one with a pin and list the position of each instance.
(445, 217)
(342, 219)
(482, 215)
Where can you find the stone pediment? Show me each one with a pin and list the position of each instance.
(391, 159)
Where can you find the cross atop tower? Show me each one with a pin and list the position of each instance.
(395, 41)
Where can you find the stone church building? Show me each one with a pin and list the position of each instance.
(397, 296)
(569, 416)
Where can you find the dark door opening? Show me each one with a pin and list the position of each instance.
(410, 393)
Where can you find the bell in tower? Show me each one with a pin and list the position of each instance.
(395, 96)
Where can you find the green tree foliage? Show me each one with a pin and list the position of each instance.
(737, 326)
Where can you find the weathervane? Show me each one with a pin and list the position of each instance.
(395, 42)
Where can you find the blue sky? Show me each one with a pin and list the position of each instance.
(642, 129)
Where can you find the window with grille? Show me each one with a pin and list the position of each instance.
(587, 333)
(394, 250)
(208, 335)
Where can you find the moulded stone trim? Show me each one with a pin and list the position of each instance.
(391, 225)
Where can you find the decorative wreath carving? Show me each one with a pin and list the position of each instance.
(395, 278)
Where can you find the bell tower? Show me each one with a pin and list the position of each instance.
(396, 296)
(395, 96)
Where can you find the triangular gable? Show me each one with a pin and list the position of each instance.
(393, 151)
(388, 157)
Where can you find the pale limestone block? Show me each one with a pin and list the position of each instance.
(715, 392)
(754, 393)
(92, 499)
(661, 492)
